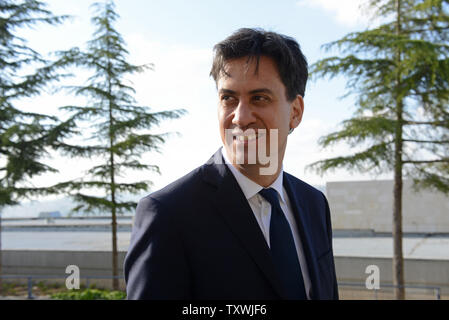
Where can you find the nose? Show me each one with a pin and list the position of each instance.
(243, 115)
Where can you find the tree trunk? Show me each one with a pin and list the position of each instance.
(398, 260)
(1, 282)
(115, 284)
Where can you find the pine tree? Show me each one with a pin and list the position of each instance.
(399, 72)
(119, 126)
(24, 136)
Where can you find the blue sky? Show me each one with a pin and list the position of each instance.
(178, 36)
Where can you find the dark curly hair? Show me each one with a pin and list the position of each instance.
(253, 43)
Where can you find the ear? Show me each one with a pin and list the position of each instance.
(297, 106)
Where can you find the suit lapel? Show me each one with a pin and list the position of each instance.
(232, 205)
(305, 230)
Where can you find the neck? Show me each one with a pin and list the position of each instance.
(258, 172)
(252, 172)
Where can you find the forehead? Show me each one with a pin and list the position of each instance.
(244, 72)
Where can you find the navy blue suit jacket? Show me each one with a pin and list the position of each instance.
(197, 238)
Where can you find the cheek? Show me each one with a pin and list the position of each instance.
(276, 120)
(222, 125)
(281, 122)
(223, 118)
(284, 122)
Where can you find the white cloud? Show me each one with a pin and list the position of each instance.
(303, 150)
(345, 12)
(181, 80)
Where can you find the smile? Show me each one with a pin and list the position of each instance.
(247, 137)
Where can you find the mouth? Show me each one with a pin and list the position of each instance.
(246, 138)
(249, 137)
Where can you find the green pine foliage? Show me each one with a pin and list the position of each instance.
(399, 73)
(89, 294)
(388, 67)
(119, 127)
(25, 137)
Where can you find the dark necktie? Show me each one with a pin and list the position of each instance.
(283, 250)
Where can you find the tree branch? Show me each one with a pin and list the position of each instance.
(430, 123)
(426, 161)
(426, 141)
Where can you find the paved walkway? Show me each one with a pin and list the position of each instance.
(415, 247)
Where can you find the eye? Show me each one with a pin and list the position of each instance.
(227, 99)
(260, 98)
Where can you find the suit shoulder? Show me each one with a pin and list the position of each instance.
(304, 187)
(178, 189)
(163, 206)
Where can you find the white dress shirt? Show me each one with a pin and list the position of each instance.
(262, 212)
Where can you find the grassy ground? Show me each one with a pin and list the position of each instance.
(59, 291)
(39, 289)
(387, 294)
(56, 290)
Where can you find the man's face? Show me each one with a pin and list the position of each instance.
(250, 100)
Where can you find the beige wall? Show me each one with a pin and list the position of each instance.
(422, 277)
(38, 263)
(361, 205)
(418, 272)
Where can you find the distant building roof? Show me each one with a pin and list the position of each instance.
(361, 205)
(414, 246)
(50, 214)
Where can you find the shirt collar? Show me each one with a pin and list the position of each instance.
(249, 187)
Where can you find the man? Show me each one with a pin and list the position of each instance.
(239, 227)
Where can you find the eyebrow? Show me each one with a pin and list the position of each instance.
(261, 90)
(227, 91)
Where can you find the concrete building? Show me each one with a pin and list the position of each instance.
(361, 218)
(49, 214)
(368, 206)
